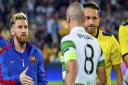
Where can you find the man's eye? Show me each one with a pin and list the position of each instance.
(20, 27)
(25, 27)
(94, 18)
(88, 17)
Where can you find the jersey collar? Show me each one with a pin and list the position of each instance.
(28, 45)
(97, 33)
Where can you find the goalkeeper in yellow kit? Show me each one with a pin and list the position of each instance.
(108, 43)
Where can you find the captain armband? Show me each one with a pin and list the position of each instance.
(69, 54)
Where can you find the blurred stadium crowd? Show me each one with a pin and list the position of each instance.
(47, 20)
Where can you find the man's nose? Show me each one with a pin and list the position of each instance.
(91, 21)
(24, 30)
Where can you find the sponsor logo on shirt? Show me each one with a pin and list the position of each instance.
(84, 36)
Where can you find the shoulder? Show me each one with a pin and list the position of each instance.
(3, 41)
(4, 44)
(67, 38)
(34, 50)
(109, 37)
(1, 37)
(123, 28)
(66, 42)
(125, 23)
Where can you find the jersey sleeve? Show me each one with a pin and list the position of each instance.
(4, 73)
(115, 52)
(41, 75)
(4, 44)
(68, 50)
(123, 39)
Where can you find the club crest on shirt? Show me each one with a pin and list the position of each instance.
(33, 59)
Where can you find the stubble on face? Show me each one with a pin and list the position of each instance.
(24, 38)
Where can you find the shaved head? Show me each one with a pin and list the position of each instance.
(75, 12)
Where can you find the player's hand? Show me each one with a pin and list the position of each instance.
(24, 79)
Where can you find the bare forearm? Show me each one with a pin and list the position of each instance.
(70, 79)
(119, 78)
(71, 72)
(102, 82)
(119, 74)
(119, 81)
(101, 76)
(98, 81)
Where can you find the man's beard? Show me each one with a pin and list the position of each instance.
(22, 39)
(91, 30)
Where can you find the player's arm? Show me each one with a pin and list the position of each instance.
(4, 71)
(69, 53)
(101, 73)
(116, 60)
(19, 78)
(71, 72)
(41, 75)
(118, 72)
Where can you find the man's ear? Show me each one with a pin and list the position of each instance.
(12, 31)
(68, 18)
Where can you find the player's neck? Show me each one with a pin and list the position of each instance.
(19, 47)
(75, 24)
(96, 33)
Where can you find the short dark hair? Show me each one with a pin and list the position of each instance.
(92, 5)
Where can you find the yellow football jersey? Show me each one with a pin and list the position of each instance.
(111, 51)
(123, 38)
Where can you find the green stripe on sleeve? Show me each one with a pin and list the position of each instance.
(67, 44)
(101, 63)
(70, 54)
